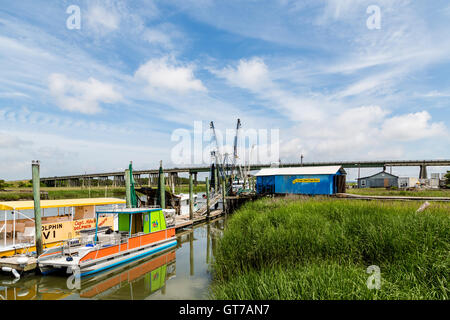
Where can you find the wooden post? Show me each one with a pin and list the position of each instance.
(216, 181)
(37, 206)
(172, 181)
(208, 211)
(128, 188)
(191, 252)
(224, 194)
(208, 241)
(191, 198)
(162, 187)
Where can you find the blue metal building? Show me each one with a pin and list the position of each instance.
(325, 180)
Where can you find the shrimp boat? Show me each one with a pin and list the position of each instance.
(184, 203)
(141, 232)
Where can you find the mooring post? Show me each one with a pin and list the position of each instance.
(216, 181)
(162, 187)
(224, 194)
(191, 252)
(208, 241)
(191, 198)
(128, 187)
(208, 211)
(37, 206)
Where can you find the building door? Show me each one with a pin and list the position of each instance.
(386, 183)
(340, 184)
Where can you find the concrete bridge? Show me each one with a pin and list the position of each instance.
(172, 173)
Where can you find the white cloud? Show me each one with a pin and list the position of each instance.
(249, 74)
(365, 132)
(165, 35)
(102, 20)
(10, 141)
(412, 126)
(254, 75)
(81, 96)
(167, 74)
(436, 94)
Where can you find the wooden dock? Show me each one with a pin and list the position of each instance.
(15, 263)
(184, 221)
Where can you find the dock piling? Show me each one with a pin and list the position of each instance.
(208, 210)
(224, 195)
(37, 205)
(191, 198)
(128, 188)
(162, 187)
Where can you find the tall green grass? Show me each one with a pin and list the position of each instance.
(15, 194)
(64, 193)
(401, 193)
(321, 248)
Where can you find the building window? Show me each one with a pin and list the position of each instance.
(363, 183)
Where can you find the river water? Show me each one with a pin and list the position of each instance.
(182, 272)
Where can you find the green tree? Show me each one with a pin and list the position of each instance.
(447, 179)
(3, 185)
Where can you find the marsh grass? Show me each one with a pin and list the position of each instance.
(401, 193)
(15, 194)
(63, 193)
(320, 248)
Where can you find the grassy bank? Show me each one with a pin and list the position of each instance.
(15, 194)
(63, 193)
(321, 248)
(416, 193)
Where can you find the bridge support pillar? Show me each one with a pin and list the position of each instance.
(195, 179)
(423, 172)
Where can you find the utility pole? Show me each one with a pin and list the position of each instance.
(37, 205)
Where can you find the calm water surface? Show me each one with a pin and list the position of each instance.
(182, 272)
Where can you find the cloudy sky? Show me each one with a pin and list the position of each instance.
(134, 74)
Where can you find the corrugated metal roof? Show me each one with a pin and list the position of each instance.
(389, 174)
(298, 171)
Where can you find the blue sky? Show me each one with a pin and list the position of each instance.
(91, 100)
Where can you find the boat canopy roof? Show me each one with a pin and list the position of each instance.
(127, 210)
(29, 204)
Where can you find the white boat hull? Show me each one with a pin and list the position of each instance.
(93, 266)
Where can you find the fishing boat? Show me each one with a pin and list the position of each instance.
(184, 203)
(141, 232)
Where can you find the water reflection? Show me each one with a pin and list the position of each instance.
(181, 273)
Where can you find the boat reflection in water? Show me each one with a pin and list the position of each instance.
(152, 277)
(137, 280)
(141, 279)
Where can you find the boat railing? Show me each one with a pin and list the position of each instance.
(13, 229)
